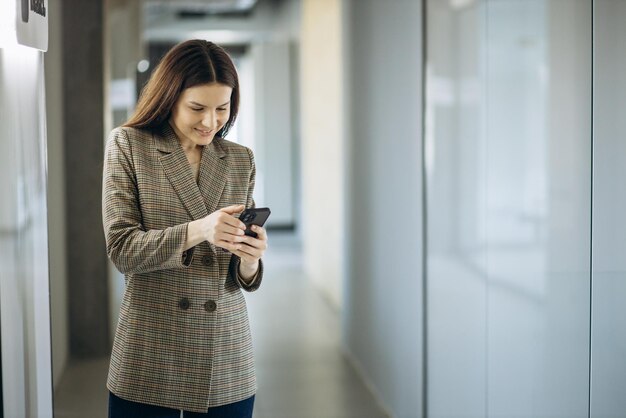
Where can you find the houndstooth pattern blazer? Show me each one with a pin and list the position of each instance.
(183, 338)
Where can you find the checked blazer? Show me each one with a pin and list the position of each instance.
(183, 337)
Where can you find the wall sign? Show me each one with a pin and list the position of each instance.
(24, 22)
(31, 23)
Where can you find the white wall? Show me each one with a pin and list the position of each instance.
(322, 130)
(382, 315)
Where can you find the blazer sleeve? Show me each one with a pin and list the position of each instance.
(233, 269)
(129, 246)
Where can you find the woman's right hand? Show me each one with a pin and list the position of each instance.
(221, 228)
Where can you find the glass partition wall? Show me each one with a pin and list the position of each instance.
(608, 348)
(525, 160)
(24, 284)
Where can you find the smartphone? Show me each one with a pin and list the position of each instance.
(256, 216)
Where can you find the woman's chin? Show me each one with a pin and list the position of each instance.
(203, 140)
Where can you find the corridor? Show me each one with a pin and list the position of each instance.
(454, 171)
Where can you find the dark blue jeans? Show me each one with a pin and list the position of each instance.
(121, 408)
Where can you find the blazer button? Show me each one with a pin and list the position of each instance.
(184, 304)
(206, 260)
(210, 306)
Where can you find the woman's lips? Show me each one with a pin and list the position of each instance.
(203, 132)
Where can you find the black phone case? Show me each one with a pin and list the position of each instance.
(256, 216)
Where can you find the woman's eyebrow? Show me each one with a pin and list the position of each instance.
(201, 105)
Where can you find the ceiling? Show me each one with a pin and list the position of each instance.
(199, 7)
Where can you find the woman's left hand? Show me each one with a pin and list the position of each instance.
(251, 250)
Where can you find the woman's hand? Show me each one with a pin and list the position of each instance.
(250, 251)
(222, 229)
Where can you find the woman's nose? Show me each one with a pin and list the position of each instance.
(210, 120)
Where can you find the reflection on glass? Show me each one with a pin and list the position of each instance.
(455, 168)
(508, 170)
(24, 287)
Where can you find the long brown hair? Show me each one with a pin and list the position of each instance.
(187, 64)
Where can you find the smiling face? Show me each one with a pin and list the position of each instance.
(200, 112)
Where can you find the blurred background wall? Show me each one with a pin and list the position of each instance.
(25, 361)
(382, 316)
(323, 132)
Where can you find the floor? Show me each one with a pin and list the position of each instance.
(302, 372)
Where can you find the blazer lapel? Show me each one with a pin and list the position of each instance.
(178, 172)
(214, 171)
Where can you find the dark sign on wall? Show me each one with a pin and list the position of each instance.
(31, 23)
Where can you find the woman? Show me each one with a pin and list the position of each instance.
(172, 186)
